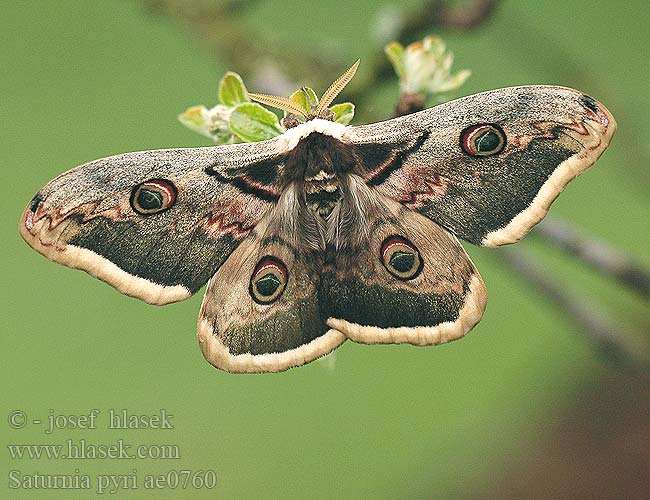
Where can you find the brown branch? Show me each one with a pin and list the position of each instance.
(432, 15)
(409, 103)
(443, 14)
(616, 345)
(219, 27)
(598, 254)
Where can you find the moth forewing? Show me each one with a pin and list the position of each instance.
(494, 196)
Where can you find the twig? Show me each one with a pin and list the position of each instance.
(444, 14)
(218, 26)
(614, 344)
(409, 103)
(434, 14)
(598, 254)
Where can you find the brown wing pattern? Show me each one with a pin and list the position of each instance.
(90, 218)
(402, 279)
(261, 311)
(551, 134)
(410, 281)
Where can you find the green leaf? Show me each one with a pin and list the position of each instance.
(196, 118)
(300, 97)
(424, 67)
(252, 123)
(312, 95)
(343, 113)
(232, 90)
(453, 81)
(395, 53)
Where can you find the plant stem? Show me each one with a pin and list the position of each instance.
(614, 343)
(601, 256)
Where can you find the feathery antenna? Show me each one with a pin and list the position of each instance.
(336, 88)
(282, 103)
(290, 106)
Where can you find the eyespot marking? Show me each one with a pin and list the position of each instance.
(269, 280)
(485, 139)
(153, 196)
(401, 258)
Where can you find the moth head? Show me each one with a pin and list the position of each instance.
(320, 110)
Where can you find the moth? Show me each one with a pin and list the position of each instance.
(327, 232)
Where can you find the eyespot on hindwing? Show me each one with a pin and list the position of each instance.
(269, 280)
(401, 258)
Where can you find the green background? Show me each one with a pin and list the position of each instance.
(82, 80)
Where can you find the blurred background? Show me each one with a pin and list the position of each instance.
(548, 397)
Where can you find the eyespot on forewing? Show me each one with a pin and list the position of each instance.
(485, 139)
(153, 196)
